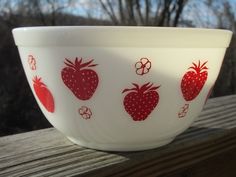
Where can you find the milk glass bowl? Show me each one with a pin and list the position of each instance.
(121, 88)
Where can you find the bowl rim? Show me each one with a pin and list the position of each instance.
(122, 36)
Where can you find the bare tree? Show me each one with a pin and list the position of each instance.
(148, 12)
(225, 19)
(55, 7)
(46, 11)
(18, 109)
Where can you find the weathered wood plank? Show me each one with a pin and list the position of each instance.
(48, 153)
(212, 167)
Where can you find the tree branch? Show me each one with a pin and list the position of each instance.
(130, 8)
(109, 11)
(147, 9)
(179, 10)
(158, 7)
(164, 12)
(121, 12)
(138, 9)
(112, 11)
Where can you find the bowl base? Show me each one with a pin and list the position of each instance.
(122, 147)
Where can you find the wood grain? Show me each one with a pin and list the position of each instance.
(222, 165)
(48, 153)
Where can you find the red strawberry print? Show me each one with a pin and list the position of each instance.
(194, 80)
(80, 78)
(143, 66)
(32, 62)
(85, 112)
(44, 95)
(141, 101)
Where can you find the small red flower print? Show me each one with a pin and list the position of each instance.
(32, 62)
(85, 112)
(143, 66)
(183, 111)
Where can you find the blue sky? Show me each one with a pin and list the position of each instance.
(196, 10)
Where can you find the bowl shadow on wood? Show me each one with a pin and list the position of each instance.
(190, 147)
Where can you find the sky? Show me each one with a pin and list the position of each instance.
(198, 12)
(195, 10)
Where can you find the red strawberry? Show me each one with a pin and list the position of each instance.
(141, 101)
(44, 95)
(80, 78)
(194, 80)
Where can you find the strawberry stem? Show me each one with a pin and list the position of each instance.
(37, 80)
(136, 85)
(144, 88)
(88, 64)
(126, 90)
(92, 65)
(77, 65)
(69, 63)
(198, 68)
(203, 66)
(154, 88)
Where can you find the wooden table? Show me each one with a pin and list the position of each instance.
(207, 149)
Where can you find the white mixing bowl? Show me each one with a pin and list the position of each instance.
(121, 88)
